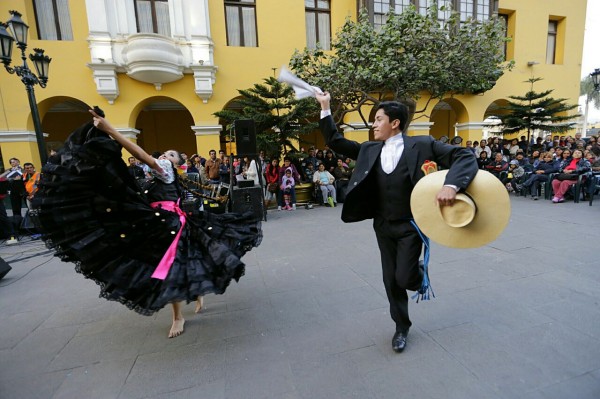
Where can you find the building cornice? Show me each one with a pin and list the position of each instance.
(18, 136)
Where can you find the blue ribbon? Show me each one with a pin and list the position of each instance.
(425, 292)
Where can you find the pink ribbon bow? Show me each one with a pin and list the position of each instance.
(164, 266)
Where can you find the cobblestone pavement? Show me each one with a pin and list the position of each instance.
(518, 318)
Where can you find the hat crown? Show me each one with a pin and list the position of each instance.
(461, 213)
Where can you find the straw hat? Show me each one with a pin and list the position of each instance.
(477, 217)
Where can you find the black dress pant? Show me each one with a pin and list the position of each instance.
(400, 246)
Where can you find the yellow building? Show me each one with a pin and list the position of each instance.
(161, 68)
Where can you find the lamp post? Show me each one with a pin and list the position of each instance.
(596, 79)
(18, 32)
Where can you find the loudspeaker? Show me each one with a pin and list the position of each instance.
(4, 268)
(245, 183)
(245, 137)
(248, 200)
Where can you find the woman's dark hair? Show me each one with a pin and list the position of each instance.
(395, 110)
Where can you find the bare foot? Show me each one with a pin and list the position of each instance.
(177, 327)
(199, 304)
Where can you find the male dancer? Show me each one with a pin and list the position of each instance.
(380, 188)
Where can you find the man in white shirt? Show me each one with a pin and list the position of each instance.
(483, 147)
(380, 188)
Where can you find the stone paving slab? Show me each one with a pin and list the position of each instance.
(518, 318)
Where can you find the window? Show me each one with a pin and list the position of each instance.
(474, 9)
(382, 7)
(466, 9)
(240, 17)
(483, 10)
(53, 20)
(424, 5)
(152, 16)
(318, 24)
(551, 46)
(444, 14)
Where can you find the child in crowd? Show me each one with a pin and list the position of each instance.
(515, 172)
(287, 185)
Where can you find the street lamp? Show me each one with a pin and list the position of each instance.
(17, 31)
(596, 79)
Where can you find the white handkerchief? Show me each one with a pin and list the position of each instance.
(301, 88)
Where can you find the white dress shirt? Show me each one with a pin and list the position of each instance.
(391, 153)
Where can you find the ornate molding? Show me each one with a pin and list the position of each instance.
(470, 126)
(204, 79)
(130, 133)
(105, 77)
(420, 126)
(18, 136)
(207, 130)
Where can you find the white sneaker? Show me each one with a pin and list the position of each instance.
(12, 241)
(278, 208)
(294, 206)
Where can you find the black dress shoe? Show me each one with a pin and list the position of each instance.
(399, 341)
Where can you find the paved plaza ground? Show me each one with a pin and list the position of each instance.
(518, 318)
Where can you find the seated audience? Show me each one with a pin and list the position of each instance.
(541, 174)
(569, 172)
(513, 177)
(324, 181)
(287, 163)
(342, 175)
(483, 160)
(497, 166)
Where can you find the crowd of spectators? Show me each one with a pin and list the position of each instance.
(20, 185)
(326, 172)
(566, 166)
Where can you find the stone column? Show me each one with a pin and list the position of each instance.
(207, 138)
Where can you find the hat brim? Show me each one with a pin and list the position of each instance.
(491, 216)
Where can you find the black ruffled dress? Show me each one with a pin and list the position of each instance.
(93, 213)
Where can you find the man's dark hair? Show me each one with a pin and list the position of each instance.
(27, 164)
(395, 110)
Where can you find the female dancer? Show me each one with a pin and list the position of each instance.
(136, 243)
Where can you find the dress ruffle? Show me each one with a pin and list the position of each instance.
(92, 212)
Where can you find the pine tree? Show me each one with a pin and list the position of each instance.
(536, 111)
(279, 117)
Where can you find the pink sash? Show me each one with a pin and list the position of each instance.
(164, 266)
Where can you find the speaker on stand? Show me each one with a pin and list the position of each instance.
(248, 198)
(245, 137)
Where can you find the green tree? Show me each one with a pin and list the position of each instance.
(279, 117)
(536, 111)
(586, 88)
(411, 56)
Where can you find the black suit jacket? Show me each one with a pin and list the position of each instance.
(359, 204)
